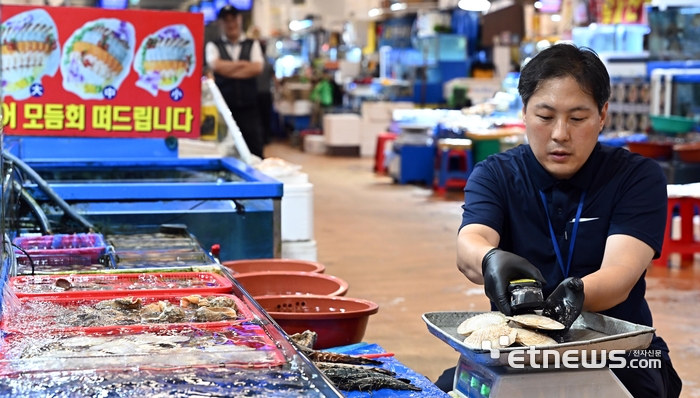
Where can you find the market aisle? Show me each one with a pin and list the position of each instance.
(395, 245)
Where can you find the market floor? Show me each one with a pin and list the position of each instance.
(395, 245)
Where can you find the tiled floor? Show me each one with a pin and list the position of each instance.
(395, 245)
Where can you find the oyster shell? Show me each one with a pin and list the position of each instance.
(531, 338)
(481, 321)
(126, 303)
(534, 321)
(204, 314)
(193, 301)
(220, 301)
(500, 336)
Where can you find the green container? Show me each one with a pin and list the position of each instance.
(671, 124)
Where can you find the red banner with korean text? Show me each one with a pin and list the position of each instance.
(90, 72)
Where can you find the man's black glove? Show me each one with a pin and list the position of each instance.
(499, 268)
(565, 303)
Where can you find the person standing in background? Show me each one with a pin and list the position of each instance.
(236, 61)
(266, 80)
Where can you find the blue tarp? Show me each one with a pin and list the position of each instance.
(390, 363)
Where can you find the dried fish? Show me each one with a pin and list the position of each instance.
(375, 382)
(481, 321)
(328, 365)
(306, 339)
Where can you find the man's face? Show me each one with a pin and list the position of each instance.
(231, 26)
(562, 126)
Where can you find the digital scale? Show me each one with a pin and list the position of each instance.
(473, 380)
(480, 374)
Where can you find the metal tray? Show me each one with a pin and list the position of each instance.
(591, 333)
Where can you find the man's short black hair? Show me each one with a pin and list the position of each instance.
(562, 60)
(228, 10)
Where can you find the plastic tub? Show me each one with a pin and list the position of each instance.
(110, 284)
(671, 124)
(338, 321)
(689, 153)
(291, 283)
(272, 265)
(88, 246)
(654, 150)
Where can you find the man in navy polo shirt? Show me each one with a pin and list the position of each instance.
(583, 219)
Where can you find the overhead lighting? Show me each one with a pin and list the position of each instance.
(375, 12)
(556, 17)
(300, 24)
(538, 4)
(474, 5)
(398, 6)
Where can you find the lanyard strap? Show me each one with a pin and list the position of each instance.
(564, 271)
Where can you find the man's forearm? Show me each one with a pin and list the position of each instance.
(473, 242)
(237, 69)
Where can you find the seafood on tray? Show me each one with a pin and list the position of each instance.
(34, 314)
(165, 58)
(502, 331)
(349, 372)
(98, 56)
(30, 50)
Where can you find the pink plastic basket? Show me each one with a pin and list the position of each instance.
(78, 249)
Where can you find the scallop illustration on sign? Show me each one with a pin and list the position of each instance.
(165, 58)
(30, 51)
(97, 58)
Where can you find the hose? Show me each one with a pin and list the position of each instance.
(34, 207)
(44, 186)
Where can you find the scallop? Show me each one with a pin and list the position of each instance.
(481, 321)
(500, 336)
(534, 321)
(531, 338)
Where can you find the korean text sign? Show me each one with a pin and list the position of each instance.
(91, 72)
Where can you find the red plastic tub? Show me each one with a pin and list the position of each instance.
(296, 283)
(338, 321)
(689, 153)
(239, 334)
(46, 313)
(272, 265)
(654, 150)
(111, 284)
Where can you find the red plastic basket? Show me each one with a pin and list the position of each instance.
(40, 318)
(240, 334)
(110, 284)
(59, 262)
(61, 250)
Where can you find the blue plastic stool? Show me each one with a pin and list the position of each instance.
(449, 150)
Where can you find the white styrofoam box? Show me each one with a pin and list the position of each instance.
(381, 111)
(315, 143)
(285, 107)
(294, 178)
(341, 129)
(302, 107)
(303, 250)
(298, 212)
(368, 136)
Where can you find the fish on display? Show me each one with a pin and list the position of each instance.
(374, 382)
(322, 356)
(307, 338)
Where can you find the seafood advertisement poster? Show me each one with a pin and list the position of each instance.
(88, 72)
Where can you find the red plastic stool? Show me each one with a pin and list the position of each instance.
(686, 246)
(382, 139)
(449, 149)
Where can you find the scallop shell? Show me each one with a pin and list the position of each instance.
(531, 338)
(534, 321)
(494, 334)
(481, 321)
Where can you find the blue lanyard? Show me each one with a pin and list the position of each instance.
(564, 271)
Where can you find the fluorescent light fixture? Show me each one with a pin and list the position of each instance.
(474, 5)
(398, 6)
(556, 17)
(538, 4)
(300, 25)
(375, 12)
